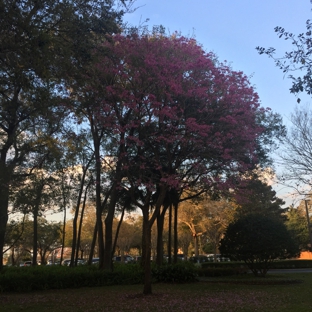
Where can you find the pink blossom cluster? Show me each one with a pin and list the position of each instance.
(173, 111)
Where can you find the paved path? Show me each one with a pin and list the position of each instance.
(305, 270)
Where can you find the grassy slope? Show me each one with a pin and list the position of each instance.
(274, 293)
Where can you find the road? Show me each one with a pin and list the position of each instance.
(304, 270)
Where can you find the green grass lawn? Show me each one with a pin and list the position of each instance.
(289, 292)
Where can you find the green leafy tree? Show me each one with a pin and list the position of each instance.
(297, 225)
(13, 235)
(49, 236)
(258, 240)
(35, 197)
(191, 214)
(254, 195)
(297, 59)
(43, 46)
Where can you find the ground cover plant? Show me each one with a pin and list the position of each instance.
(278, 293)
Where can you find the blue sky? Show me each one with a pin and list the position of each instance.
(233, 29)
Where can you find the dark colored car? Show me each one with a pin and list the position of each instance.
(199, 259)
(126, 259)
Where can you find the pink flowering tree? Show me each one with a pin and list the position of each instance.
(171, 116)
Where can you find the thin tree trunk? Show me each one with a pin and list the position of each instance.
(35, 238)
(147, 235)
(117, 231)
(108, 264)
(92, 247)
(35, 227)
(98, 199)
(169, 234)
(196, 245)
(160, 244)
(146, 253)
(73, 261)
(109, 246)
(80, 224)
(63, 236)
(175, 233)
(4, 204)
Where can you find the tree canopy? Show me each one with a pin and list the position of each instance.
(297, 225)
(43, 46)
(295, 154)
(254, 195)
(297, 59)
(156, 115)
(258, 240)
(171, 116)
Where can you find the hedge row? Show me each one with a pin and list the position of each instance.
(278, 264)
(23, 279)
(59, 277)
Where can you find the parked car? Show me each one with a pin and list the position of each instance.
(27, 263)
(50, 262)
(126, 259)
(137, 259)
(199, 259)
(217, 258)
(67, 262)
(181, 257)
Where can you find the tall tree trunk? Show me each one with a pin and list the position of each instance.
(170, 234)
(146, 253)
(196, 244)
(160, 243)
(99, 223)
(109, 248)
(80, 224)
(175, 233)
(75, 220)
(4, 203)
(147, 235)
(93, 243)
(63, 236)
(35, 238)
(117, 231)
(108, 264)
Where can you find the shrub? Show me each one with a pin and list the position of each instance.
(59, 277)
(181, 272)
(258, 241)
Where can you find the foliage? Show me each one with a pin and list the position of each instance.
(297, 225)
(181, 272)
(43, 45)
(220, 271)
(23, 279)
(298, 59)
(254, 195)
(206, 220)
(20, 238)
(178, 103)
(258, 241)
(170, 115)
